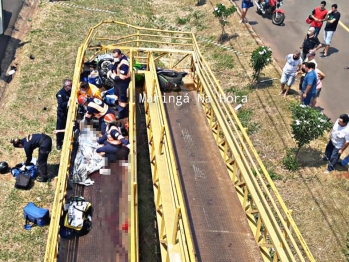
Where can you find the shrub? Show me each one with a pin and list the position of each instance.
(222, 13)
(308, 124)
(260, 58)
(290, 160)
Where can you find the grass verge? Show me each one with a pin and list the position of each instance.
(319, 202)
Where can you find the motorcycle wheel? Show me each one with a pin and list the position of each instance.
(278, 18)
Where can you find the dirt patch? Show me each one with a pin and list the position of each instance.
(12, 54)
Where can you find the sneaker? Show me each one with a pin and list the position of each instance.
(59, 148)
(42, 178)
(241, 21)
(327, 172)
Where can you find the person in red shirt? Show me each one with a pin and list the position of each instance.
(318, 15)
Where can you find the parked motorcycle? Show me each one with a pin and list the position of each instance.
(169, 80)
(272, 8)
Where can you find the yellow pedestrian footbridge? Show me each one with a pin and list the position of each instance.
(213, 197)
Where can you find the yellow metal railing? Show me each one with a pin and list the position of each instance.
(52, 246)
(271, 221)
(133, 205)
(160, 146)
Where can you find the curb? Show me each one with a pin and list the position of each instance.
(256, 37)
(17, 35)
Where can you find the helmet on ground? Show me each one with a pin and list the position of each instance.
(82, 99)
(4, 168)
(109, 118)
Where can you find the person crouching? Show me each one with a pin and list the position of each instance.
(31, 142)
(112, 140)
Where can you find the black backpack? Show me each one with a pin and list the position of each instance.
(23, 180)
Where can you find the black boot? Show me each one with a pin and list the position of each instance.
(42, 178)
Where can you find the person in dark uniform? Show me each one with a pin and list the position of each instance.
(63, 97)
(31, 142)
(95, 108)
(115, 146)
(121, 74)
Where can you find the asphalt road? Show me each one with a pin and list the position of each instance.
(287, 38)
(11, 9)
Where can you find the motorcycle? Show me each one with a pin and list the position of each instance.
(272, 8)
(169, 80)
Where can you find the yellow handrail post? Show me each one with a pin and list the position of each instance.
(175, 225)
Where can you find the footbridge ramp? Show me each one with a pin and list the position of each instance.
(214, 198)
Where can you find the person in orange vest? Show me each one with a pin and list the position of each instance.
(121, 75)
(95, 108)
(90, 90)
(114, 143)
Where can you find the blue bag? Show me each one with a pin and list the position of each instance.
(31, 170)
(38, 216)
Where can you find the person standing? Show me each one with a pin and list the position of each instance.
(309, 83)
(311, 58)
(245, 5)
(31, 142)
(121, 74)
(289, 72)
(311, 43)
(318, 15)
(63, 97)
(339, 141)
(333, 17)
(320, 77)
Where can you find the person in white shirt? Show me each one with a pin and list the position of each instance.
(290, 71)
(339, 141)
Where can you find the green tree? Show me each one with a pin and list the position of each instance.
(260, 58)
(222, 13)
(308, 124)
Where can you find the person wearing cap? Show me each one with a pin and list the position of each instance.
(311, 43)
(41, 141)
(289, 72)
(311, 58)
(95, 108)
(121, 76)
(63, 97)
(332, 19)
(318, 15)
(90, 90)
(113, 140)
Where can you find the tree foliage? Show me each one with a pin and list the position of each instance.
(222, 13)
(308, 124)
(260, 58)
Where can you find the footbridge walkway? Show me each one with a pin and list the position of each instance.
(214, 198)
